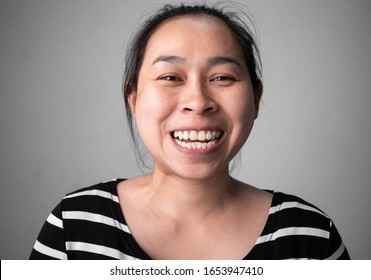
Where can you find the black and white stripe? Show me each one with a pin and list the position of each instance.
(89, 224)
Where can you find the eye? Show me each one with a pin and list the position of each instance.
(170, 78)
(223, 79)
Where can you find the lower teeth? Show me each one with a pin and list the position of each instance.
(195, 145)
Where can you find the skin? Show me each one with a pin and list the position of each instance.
(190, 204)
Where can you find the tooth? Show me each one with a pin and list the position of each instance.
(185, 135)
(208, 135)
(211, 144)
(201, 135)
(193, 135)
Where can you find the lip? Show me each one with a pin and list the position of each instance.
(198, 151)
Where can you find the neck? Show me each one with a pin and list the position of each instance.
(182, 198)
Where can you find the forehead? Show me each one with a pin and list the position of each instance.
(193, 33)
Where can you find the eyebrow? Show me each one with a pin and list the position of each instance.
(218, 60)
(211, 61)
(169, 58)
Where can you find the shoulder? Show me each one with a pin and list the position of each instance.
(283, 201)
(288, 211)
(310, 224)
(97, 194)
(105, 186)
(298, 229)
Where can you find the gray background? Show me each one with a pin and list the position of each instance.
(62, 123)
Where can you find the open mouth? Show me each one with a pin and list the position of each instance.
(193, 139)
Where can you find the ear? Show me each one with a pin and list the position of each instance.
(130, 94)
(257, 97)
(132, 100)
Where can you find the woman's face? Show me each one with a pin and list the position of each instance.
(194, 106)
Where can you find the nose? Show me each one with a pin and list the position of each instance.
(196, 98)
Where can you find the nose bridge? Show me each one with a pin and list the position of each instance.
(196, 97)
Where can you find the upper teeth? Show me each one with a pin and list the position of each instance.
(194, 135)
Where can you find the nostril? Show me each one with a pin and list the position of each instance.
(205, 110)
(197, 103)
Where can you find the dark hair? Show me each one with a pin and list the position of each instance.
(137, 47)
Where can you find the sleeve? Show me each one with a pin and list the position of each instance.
(50, 244)
(336, 249)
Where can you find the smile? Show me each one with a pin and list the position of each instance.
(192, 139)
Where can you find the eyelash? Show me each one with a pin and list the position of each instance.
(169, 78)
(223, 78)
(172, 78)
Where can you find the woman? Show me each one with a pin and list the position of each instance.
(193, 87)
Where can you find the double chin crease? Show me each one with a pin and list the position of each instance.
(192, 139)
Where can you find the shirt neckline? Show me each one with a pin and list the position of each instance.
(145, 256)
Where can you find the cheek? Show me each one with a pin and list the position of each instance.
(242, 116)
(151, 111)
(149, 104)
(242, 109)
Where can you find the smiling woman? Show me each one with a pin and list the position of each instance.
(192, 90)
(193, 83)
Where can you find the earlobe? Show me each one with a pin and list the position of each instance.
(257, 97)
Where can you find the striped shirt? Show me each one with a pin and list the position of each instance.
(89, 224)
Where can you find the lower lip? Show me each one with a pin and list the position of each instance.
(200, 151)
